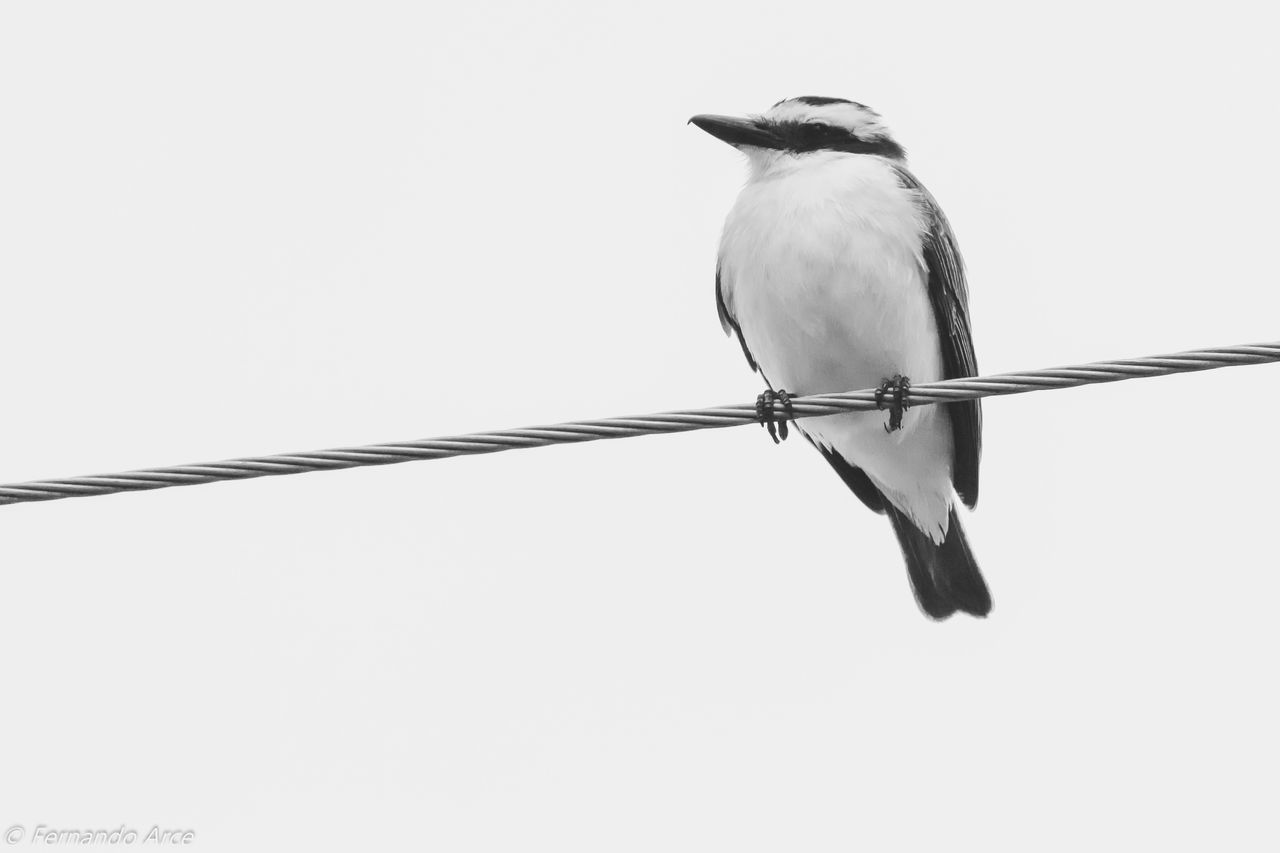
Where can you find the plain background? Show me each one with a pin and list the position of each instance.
(233, 229)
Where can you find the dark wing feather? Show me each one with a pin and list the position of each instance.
(950, 298)
(854, 477)
(731, 325)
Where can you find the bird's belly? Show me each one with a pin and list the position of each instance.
(815, 326)
(832, 298)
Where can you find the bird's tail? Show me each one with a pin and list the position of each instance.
(945, 578)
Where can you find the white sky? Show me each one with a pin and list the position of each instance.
(238, 229)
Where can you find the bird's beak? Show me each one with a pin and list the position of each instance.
(738, 131)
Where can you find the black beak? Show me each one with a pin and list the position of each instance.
(739, 131)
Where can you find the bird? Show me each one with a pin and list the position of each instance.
(837, 270)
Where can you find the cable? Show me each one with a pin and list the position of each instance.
(580, 431)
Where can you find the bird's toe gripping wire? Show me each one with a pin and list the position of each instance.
(895, 390)
(767, 415)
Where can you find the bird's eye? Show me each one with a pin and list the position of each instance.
(817, 127)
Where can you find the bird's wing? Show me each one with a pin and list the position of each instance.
(729, 324)
(853, 476)
(949, 296)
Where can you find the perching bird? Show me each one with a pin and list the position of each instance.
(838, 271)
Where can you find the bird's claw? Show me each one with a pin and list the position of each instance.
(895, 388)
(768, 416)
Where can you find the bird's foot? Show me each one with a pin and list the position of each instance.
(896, 390)
(767, 415)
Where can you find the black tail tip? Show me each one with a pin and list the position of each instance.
(945, 578)
(940, 606)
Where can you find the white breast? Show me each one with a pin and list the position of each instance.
(821, 267)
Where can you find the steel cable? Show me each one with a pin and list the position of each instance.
(579, 431)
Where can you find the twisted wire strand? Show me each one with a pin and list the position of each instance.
(580, 431)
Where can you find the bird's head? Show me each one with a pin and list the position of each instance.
(799, 126)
